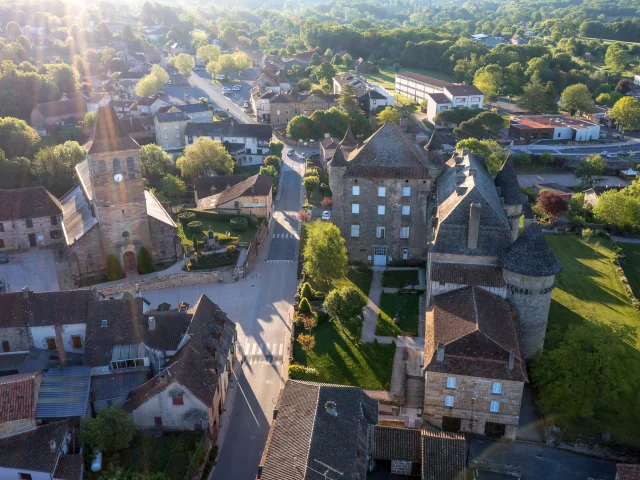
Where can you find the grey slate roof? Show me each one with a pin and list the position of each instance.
(467, 274)
(69, 467)
(460, 185)
(424, 79)
(388, 153)
(192, 107)
(206, 186)
(172, 117)
(77, 218)
(30, 450)
(531, 255)
(463, 90)
(64, 392)
(44, 308)
(305, 430)
(109, 135)
(507, 181)
(229, 129)
(118, 385)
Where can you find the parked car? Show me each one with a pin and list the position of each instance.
(246, 105)
(604, 152)
(303, 155)
(4, 258)
(291, 152)
(326, 216)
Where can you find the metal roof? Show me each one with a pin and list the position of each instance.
(128, 352)
(64, 392)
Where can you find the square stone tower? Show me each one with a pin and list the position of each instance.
(118, 189)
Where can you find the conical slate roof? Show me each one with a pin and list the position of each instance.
(531, 255)
(338, 159)
(109, 135)
(349, 141)
(434, 143)
(507, 180)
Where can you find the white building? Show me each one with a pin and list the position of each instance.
(636, 79)
(372, 98)
(531, 128)
(416, 86)
(453, 96)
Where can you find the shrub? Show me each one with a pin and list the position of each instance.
(212, 260)
(587, 233)
(114, 269)
(194, 227)
(311, 184)
(224, 239)
(239, 224)
(530, 193)
(323, 317)
(306, 291)
(253, 220)
(145, 262)
(304, 306)
(304, 216)
(300, 372)
(186, 217)
(327, 202)
(231, 250)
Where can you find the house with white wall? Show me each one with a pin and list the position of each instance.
(453, 96)
(524, 129)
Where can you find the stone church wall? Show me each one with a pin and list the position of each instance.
(86, 257)
(163, 236)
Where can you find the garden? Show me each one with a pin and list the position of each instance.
(316, 184)
(399, 278)
(405, 308)
(228, 227)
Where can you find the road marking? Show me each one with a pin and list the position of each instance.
(280, 261)
(253, 348)
(281, 347)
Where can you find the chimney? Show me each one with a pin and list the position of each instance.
(512, 359)
(25, 293)
(152, 323)
(330, 407)
(440, 354)
(183, 307)
(162, 378)
(472, 171)
(474, 225)
(52, 446)
(60, 345)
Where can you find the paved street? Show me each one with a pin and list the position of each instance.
(214, 92)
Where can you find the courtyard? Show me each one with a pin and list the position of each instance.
(35, 268)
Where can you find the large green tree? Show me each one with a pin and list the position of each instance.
(388, 115)
(347, 99)
(617, 208)
(64, 76)
(17, 139)
(155, 163)
(489, 81)
(302, 127)
(485, 124)
(576, 98)
(173, 188)
(184, 63)
(616, 58)
(345, 303)
(208, 53)
(110, 431)
(626, 112)
(536, 98)
(204, 153)
(494, 154)
(54, 166)
(324, 253)
(589, 168)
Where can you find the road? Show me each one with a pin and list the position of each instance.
(633, 146)
(214, 92)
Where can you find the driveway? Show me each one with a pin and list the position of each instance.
(566, 179)
(540, 462)
(34, 268)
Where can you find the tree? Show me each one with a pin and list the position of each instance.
(272, 160)
(208, 53)
(389, 115)
(488, 82)
(13, 31)
(593, 165)
(55, 166)
(485, 124)
(576, 98)
(626, 113)
(184, 63)
(306, 291)
(275, 148)
(523, 158)
(241, 61)
(455, 116)
(173, 187)
(127, 33)
(17, 139)
(155, 163)
(229, 36)
(310, 184)
(609, 98)
(273, 173)
(89, 120)
(204, 153)
(347, 99)
(110, 431)
(307, 342)
(617, 208)
(304, 306)
(545, 159)
(346, 60)
(616, 58)
(552, 203)
(590, 372)
(303, 216)
(494, 154)
(325, 71)
(309, 322)
(344, 304)
(147, 86)
(315, 60)
(227, 65)
(324, 253)
(535, 98)
(301, 127)
(623, 86)
(104, 34)
(64, 76)
(304, 85)
(145, 262)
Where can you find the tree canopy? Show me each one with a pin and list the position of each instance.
(626, 112)
(17, 139)
(204, 153)
(617, 208)
(324, 252)
(110, 431)
(389, 115)
(494, 154)
(576, 98)
(184, 63)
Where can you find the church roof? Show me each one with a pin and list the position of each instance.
(434, 143)
(531, 255)
(109, 134)
(349, 141)
(507, 181)
(338, 159)
(388, 153)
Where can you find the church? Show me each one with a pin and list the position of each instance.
(109, 212)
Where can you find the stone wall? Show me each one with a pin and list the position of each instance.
(473, 413)
(255, 244)
(165, 241)
(16, 233)
(531, 296)
(362, 248)
(19, 338)
(86, 256)
(174, 280)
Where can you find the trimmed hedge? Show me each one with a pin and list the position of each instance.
(145, 262)
(212, 260)
(224, 239)
(239, 224)
(194, 227)
(186, 217)
(300, 372)
(223, 217)
(114, 269)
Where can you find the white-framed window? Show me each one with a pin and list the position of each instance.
(406, 191)
(355, 208)
(404, 232)
(406, 210)
(380, 232)
(448, 401)
(355, 231)
(495, 406)
(165, 128)
(451, 382)
(277, 112)
(382, 191)
(496, 388)
(355, 190)
(381, 209)
(177, 135)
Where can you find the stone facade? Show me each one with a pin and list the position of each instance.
(166, 246)
(286, 106)
(472, 397)
(33, 232)
(532, 297)
(15, 339)
(86, 255)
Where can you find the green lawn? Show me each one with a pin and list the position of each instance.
(408, 308)
(632, 265)
(356, 278)
(219, 228)
(589, 288)
(399, 278)
(168, 454)
(343, 360)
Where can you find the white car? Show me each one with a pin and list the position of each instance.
(303, 155)
(237, 88)
(604, 152)
(326, 216)
(291, 152)
(246, 105)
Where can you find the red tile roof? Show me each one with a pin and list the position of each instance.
(32, 202)
(17, 396)
(627, 471)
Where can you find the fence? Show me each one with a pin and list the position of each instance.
(254, 245)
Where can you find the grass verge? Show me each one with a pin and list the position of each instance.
(632, 265)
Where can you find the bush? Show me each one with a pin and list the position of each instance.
(212, 260)
(221, 217)
(587, 233)
(224, 239)
(327, 202)
(530, 193)
(323, 317)
(306, 291)
(194, 227)
(239, 224)
(114, 269)
(186, 217)
(253, 220)
(145, 262)
(300, 372)
(231, 250)
(311, 184)
(304, 306)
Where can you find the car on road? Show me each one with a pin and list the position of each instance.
(246, 105)
(4, 258)
(291, 152)
(604, 152)
(303, 155)
(237, 88)
(326, 216)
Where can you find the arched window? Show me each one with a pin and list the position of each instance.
(116, 166)
(131, 167)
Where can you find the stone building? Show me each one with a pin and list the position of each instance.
(474, 371)
(110, 212)
(29, 217)
(475, 242)
(251, 197)
(381, 195)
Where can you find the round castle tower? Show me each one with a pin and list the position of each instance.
(529, 268)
